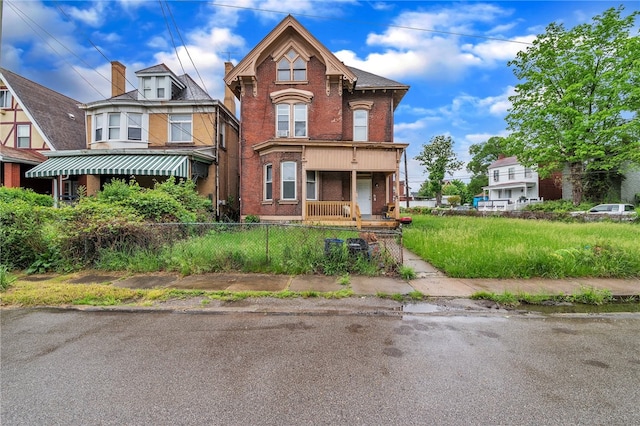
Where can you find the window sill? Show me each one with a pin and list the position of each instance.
(292, 82)
(267, 202)
(287, 202)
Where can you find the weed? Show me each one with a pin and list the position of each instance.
(397, 297)
(407, 273)
(591, 296)
(416, 295)
(6, 278)
(344, 280)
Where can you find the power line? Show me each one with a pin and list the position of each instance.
(351, 21)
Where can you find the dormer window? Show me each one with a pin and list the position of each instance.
(155, 87)
(292, 67)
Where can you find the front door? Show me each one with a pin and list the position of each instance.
(363, 189)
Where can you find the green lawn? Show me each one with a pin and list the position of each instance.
(492, 247)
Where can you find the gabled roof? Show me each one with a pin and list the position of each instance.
(56, 117)
(280, 35)
(507, 161)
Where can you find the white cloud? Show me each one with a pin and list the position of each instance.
(92, 16)
(427, 45)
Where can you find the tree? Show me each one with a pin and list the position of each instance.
(578, 102)
(482, 155)
(456, 187)
(485, 153)
(438, 158)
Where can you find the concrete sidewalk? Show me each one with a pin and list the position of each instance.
(429, 281)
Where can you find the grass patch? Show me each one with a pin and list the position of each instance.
(56, 294)
(493, 247)
(585, 296)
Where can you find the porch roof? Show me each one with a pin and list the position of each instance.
(507, 185)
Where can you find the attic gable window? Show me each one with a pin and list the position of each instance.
(155, 87)
(292, 67)
(5, 99)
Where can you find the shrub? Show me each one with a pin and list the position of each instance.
(9, 195)
(251, 218)
(21, 233)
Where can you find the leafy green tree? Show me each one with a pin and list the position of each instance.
(485, 153)
(438, 158)
(425, 190)
(578, 100)
(456, 187)
(476, 184)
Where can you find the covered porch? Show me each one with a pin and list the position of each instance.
(351, 183)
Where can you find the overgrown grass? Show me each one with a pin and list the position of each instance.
(585, 296)
(55, 293)
(283, 251)
(490, 247)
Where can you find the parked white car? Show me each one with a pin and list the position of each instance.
(619, 209)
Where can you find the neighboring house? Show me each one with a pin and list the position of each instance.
(512, 186)
(169, 126)
(32, 119)
(626, 191)
(317, 136)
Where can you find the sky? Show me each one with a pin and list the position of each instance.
(453, 55)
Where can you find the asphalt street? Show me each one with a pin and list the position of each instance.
(420, 366)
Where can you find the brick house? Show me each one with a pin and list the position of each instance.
(169, 126)
(34, 118)
(317, 135)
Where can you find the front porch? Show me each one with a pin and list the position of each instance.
(345, 213)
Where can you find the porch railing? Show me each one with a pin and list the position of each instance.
(328, 210)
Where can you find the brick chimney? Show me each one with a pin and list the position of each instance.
(229, 97)
(501, 156)
(118, 80)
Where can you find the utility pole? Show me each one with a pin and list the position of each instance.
(406, 178)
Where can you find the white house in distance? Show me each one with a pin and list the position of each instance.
(512, 186)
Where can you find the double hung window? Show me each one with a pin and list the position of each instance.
(24, 136)
(134, 126)
(291, 120)
(180, 127)
(114, 126)
(268, 182)
(288, 180)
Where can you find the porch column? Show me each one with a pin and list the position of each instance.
(304, 190)
(354, 193)
(396, 198)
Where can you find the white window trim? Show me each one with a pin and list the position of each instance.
(496, 175)
(290, 132)
(96, 126)
(173, 121)
(366, 125)
(295, 180)
(101, 121)
(119, 126)
(267, 181)
(134, 126)
(6, 98)
(26, 127)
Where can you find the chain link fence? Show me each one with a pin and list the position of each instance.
(247, 247)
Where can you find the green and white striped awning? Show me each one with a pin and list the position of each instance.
(153, 165)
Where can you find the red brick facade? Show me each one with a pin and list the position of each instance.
(330, 99)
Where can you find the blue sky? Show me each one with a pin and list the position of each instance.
(453, 54)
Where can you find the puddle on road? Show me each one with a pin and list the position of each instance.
(577, 308)
(421, 308)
